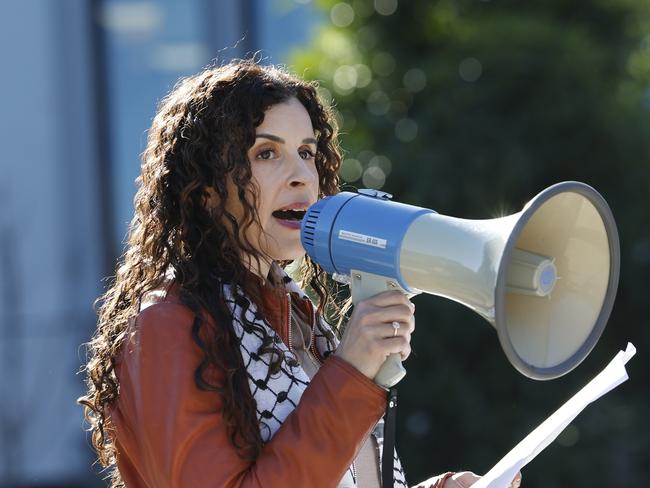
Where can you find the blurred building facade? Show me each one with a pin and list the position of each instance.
(80, 83)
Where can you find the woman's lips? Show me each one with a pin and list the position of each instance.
(291, 224)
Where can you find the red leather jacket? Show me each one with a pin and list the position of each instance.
(168, 433)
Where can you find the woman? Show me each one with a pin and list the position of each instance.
(210, 367)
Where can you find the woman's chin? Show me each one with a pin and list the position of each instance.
(288, 252)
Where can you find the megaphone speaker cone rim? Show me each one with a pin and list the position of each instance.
(500, 293)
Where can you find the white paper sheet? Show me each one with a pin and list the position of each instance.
(609, 378)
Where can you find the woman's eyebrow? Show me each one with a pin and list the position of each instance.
(271, 137)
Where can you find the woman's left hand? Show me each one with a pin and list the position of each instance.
(463, 479)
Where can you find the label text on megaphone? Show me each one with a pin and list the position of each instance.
(346, 235)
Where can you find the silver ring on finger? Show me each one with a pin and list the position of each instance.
(396, 326)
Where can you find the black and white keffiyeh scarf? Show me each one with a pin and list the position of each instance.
(277, 395)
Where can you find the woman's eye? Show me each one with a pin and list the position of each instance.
(266, 154)
(307, 154)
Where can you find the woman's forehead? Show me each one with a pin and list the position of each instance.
(286, 119)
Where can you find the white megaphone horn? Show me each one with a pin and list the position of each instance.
(545, 277)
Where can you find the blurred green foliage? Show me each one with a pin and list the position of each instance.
(471, 108)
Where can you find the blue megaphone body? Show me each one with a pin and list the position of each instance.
(366, 237)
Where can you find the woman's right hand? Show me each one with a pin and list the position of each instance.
(369, 335)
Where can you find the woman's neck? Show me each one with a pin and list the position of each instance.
(259, 267)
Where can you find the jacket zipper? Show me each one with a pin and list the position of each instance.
(289, 322)
(311, 351)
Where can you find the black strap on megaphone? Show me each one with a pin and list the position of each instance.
(388, 457)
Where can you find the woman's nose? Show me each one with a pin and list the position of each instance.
(304, 173)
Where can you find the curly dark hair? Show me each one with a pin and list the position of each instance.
(199, 138)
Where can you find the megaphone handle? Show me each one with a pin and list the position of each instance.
(365, 285)
(391, 372)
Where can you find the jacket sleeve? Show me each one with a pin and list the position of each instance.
(169, 433)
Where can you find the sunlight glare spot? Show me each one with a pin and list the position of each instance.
(342, 14)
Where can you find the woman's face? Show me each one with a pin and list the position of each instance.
(284, 171)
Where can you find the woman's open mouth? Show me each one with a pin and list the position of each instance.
(290, 217)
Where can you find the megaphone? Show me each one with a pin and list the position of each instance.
(545, 277)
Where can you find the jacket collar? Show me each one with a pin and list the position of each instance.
(275, 302)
